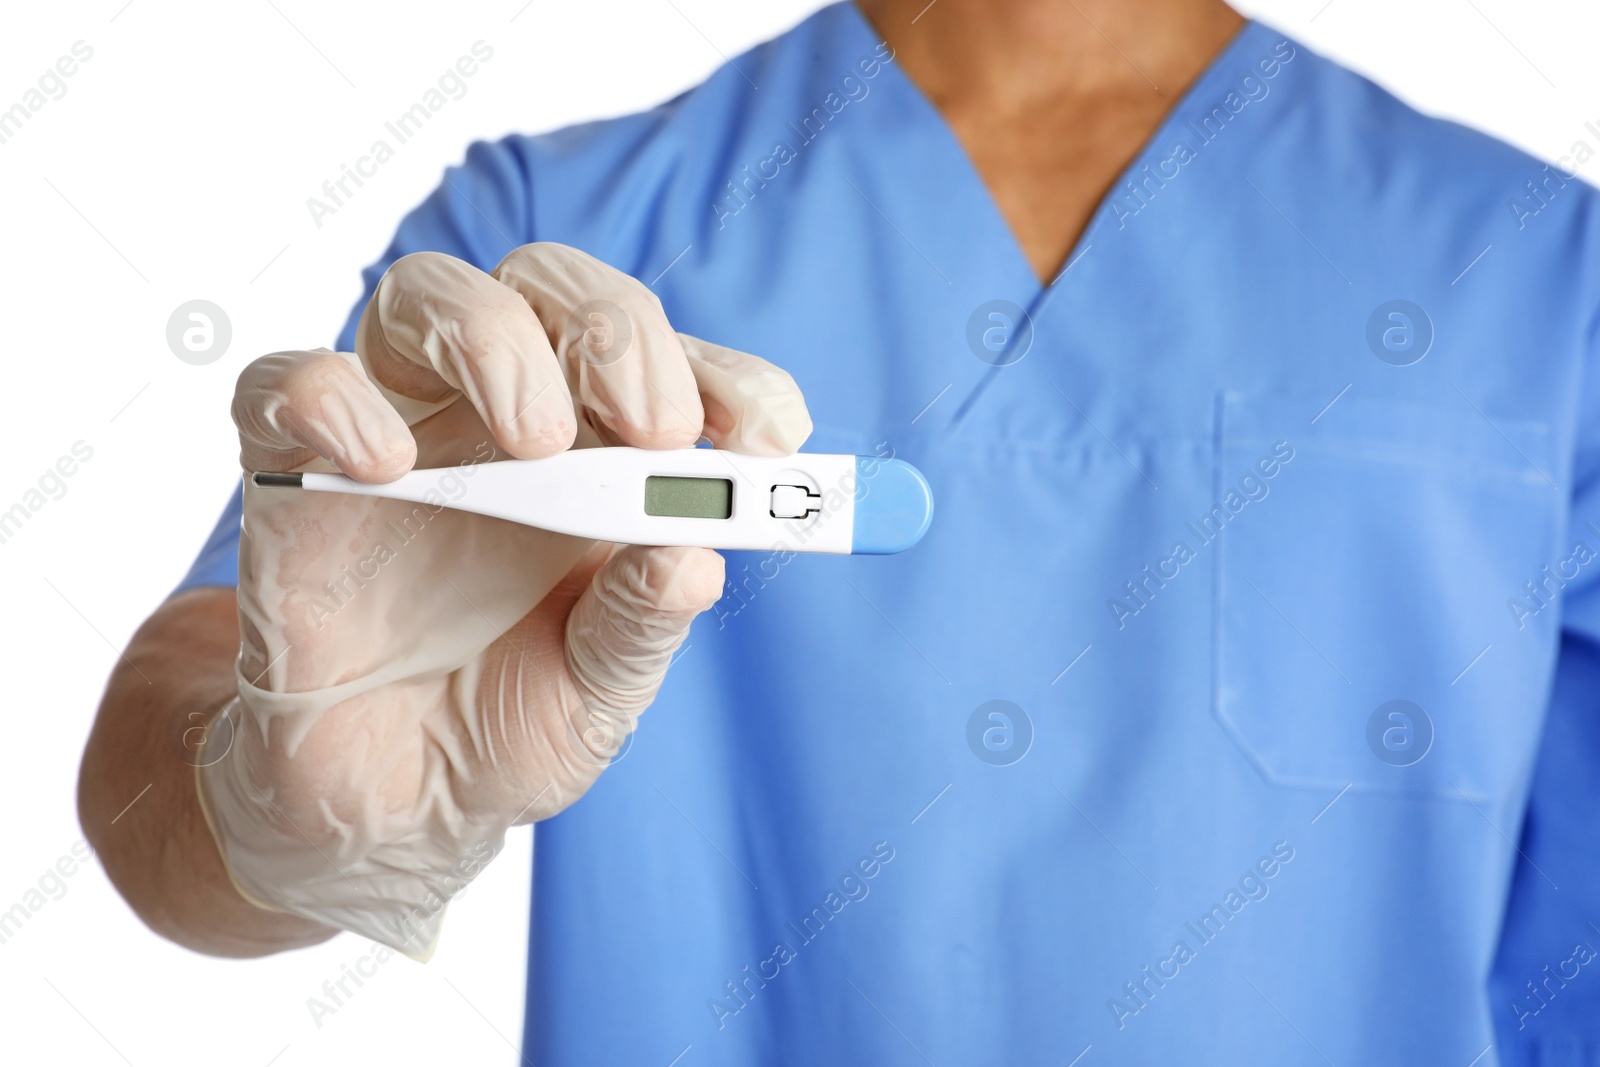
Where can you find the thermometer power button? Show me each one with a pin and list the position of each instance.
(794, 502)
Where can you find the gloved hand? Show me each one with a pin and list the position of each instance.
(413, 680)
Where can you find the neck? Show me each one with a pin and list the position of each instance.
(1052, 98)
(1008, 55)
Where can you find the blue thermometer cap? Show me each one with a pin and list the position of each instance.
(893, 506)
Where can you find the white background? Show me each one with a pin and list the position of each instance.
(177, 166)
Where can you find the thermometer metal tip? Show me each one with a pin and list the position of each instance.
(269, 480)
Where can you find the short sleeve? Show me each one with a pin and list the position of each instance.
(480, 212)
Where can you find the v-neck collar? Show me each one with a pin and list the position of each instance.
(1201, 87)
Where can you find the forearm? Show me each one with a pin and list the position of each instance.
(136, 789)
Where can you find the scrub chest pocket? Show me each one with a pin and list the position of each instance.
(1361, 632)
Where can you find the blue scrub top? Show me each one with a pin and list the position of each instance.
(1203, 725)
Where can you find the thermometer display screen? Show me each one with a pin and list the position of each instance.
(688, 498)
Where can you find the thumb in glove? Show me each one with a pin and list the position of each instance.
(623, 632)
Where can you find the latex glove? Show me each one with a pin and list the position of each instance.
(413, 681)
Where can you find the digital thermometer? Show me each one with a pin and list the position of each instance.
(692, 496)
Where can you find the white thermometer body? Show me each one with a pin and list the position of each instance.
(807, 502)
